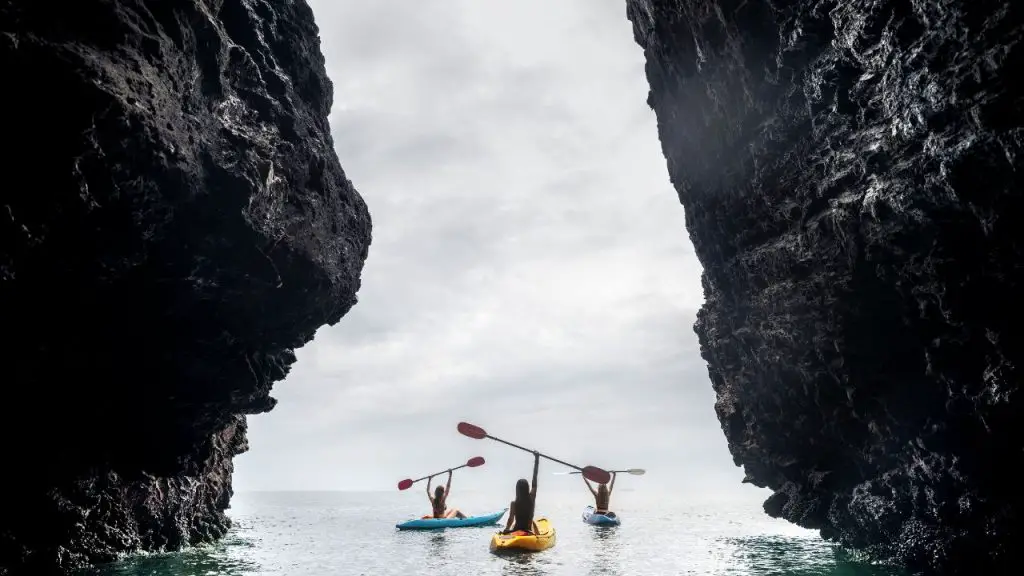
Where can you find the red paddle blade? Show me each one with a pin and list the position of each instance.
(475, 432)
(474, 462)
(595, 474)
(405, 484)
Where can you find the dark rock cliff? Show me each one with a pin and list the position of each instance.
(174, 223)
(850, 172)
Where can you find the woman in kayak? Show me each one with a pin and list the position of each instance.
(520, 511)
(439, 500)
(602, 496)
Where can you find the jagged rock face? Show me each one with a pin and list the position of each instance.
(174, 222)
(850, 173)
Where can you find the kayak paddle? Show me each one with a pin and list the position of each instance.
(592, 473)
(472, 463)
(633, 471)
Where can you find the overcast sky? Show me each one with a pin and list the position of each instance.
(530, 271)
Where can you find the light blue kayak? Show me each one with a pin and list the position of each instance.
(607, 519)
(437, 523)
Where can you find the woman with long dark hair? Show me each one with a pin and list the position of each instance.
(520, 511)
(602, 496)
(439, 501)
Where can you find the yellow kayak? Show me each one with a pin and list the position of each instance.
(520, 541)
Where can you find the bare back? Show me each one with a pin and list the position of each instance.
(438, 505)
(523, 514)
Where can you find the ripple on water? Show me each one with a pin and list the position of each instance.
(341, 533)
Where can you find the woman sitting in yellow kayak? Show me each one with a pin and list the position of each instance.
(439, 500)
(602, 496)
(520, 511)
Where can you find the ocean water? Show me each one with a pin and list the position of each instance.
(352, 533)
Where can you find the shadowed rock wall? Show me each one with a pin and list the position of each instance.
(174, 222)
(851, 175)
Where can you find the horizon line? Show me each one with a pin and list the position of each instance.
(249, 491)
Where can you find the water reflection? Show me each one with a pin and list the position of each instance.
(784, 556)
(215, 560)
(606, 547)
(522, 565)
(438, 549)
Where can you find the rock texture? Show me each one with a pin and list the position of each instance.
(851, 177)
(174, 222)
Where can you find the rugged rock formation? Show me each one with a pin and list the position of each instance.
(174, 222)
(850, 172)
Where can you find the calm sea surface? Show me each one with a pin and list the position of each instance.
(341, 533)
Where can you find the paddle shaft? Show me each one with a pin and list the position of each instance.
(528, 450)
(633, 471)
(438, 474)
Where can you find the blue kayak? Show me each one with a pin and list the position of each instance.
(606, 519)
(427, 523)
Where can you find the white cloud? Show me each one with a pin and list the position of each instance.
(530, 269)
